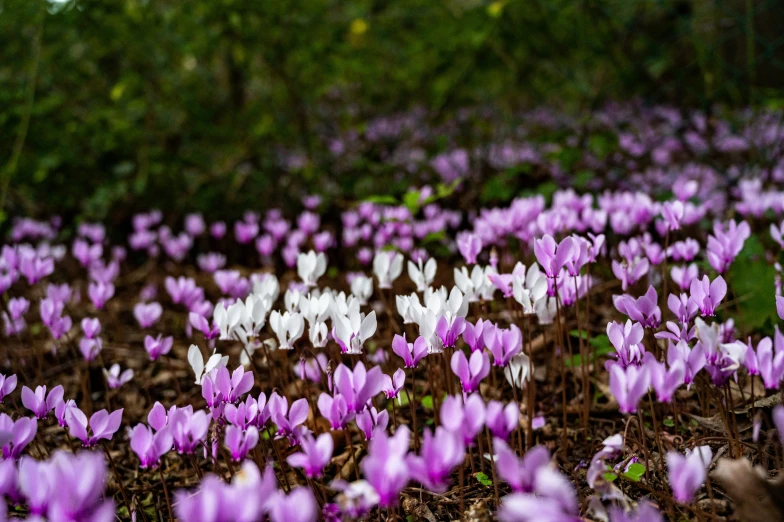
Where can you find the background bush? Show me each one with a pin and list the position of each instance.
(109, 106)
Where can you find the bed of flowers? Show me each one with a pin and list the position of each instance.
(609, 353)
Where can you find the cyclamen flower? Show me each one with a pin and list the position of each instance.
(684, 275)
(504, 344)
(370, 420)
(310, 267)
(469, 246)
(91, 327)
(672, 212)
(287, 419)
(201, 323)
(148, 447)
(629, 272)
(665, 381)
(358, 387)
(114, 378)
(519, 473)
(288, 327)
(628, 385)
(103, 425)
(90, 348)
(551, 255)
(385, 466)
(411, 353)
(627, 339)
(99, 293)
(315, 455)
(708, 294)
(470, 371)
(393, 385)
(298, 506)
(466, 420)
(196, 361)
(7, 385)
(439, 454)
(770, 364)
(687, 472)
(231, 388)
(644, 309)
(502, 420)
(147, 314)
(16, 435)
(422, 276)
(39, 402)
(353, 330)
(473, 335)
(387, 266)
(726, 244)
(157, 346)
(240, 443)
(335, 410)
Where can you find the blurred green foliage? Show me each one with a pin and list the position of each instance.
(190, 104)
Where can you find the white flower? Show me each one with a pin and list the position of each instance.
(362, 288)
(517, 371)
(422, 276)
(291, 300)
(318, 334)
(196, 361)
(311, 266)
(545, 310)
(453, 307)
(242, 320)
(288, 327)
(387, 266)
(408, 307)
(315, 309)
(352, 330)
(487, 290)
(529, 288)
(266, 286)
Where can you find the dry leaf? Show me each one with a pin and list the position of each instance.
(757, 497)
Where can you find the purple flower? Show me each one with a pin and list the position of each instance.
(473, 335)
(684, 275)
(234, 387)
(665, 381)
(335, 410)
(245, 232)
(7, 385)
(769, 363)
(370, 420)
(239, 442)
(201, 323)
(470, 371)
(778, 421)
(672, 212)
(315, 455)
(91, 327)
(411, 353)
(358, 387)
(780, 306)
(114, 378)
(90, 348)
(15, 436)
(194, 224)
(644, 310)
(393, 385)
(85, 253)
(687, 472)
(519, 473)
(147, 314)
(466, 420)
(502, 420)
(628, 385)
(103, 425)
(243, 414)
(629, 272)
(288, 419)
(439, 454)
(627, 341)
(99, 293)
(188, 429)
(34, 268)
(218, 229)
(148, 447)
(707, 294)
(551, 255)
(39, 402)
(504, 344)
(726, 244)
(385, 466)
(644, 513)
(157, 346)
(298, 506)
(469, 246)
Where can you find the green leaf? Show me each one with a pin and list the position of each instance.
(635, 472)
(381, 200)
(610, 476)
(750, 279)
(600, 344)
(411, 201)
(483, 479)
(427, 402)
(669, 422)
